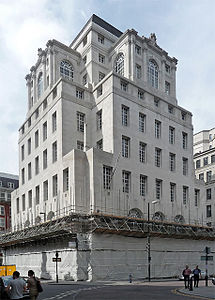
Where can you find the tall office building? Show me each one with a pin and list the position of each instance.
(104, 131)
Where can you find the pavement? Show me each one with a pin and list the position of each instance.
(202, 292)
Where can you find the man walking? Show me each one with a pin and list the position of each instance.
(16, 286)
(196, 273)
(186, 273)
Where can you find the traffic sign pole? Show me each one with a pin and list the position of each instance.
(56, 255)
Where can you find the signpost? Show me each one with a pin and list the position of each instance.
(207, 258)
(56, 259)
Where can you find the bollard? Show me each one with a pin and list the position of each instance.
(191, 283)
(130, 278)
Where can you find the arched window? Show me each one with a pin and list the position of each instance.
(158, 216)
(119, 64)
(153, 74)
(66, 70)
(179, 219)
(40, 85)
(135, 213)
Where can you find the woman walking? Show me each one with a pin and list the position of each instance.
(32, 285)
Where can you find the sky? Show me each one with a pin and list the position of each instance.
(184, 28)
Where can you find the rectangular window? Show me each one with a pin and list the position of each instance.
(37, 165)
(125, 146)
(36, 138)
(212, 159)
(158, 188)
(2, 223)
(185, 194)
(170, 109)
(23, 175)
(44, 131)
(126, 181)
(85, 59)
(54, 152)
(29, 146)
(99, 144)
(124, 86)
(125, 115)
(142, 120)
(167, 68)
(138, 71)
(208, 194)
(45, 103)
(205, 161)
(172, 161)
(208, 211)
(54, 185)
(99, 120)
(185, 166)
(183, 116)
(80, 145)
(101, 76)
(99, 90)
(2, 196)
(142, 152)
(2, 210)
(66, 179)
(107, 176)
(197, 197)
(17, 205)
(157, 157)
(10, 185)
(80, 121)
(79, 94)
(54, 121)
(201, 176)
(37, 194)
(36, 113)
(172, 192)
(140, 95)
(101, 58)
(198, 164)
(143, 185)
(30, 198)
(29, 171)
(138, 49)
(29, 122)
(157, 129)
(171, 135)
(23, 152)
(45, 190)
(156, 101)
(23, 202)
(167, 87)
(84, 80)
(45, 159)
(184, 140)
(208, 176)
(101, 39)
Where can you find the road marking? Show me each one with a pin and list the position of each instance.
(71, 292)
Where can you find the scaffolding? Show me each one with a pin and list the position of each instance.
(75, 223)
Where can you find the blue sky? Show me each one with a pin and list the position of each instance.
(184, 28)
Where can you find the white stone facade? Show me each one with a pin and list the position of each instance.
(204, 161)
(104, 132)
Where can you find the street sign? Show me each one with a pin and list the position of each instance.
(56, 259)
(208, 257)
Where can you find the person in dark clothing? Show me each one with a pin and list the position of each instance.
(196, 273)
(3, 294)
(186, 273)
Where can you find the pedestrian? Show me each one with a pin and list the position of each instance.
(186, 273)
(32, 285)
(3, 293)
(196, 273)
(16, 286)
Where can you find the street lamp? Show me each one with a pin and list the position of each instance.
(149, 242)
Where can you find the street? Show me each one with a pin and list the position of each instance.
(113, 291)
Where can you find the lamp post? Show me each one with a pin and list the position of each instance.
(149, 242)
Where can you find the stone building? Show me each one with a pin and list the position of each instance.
(8, 183)
(104, 132)
(204, 161)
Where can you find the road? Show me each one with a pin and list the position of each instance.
(128, 291)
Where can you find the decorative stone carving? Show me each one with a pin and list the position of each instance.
(153, 37)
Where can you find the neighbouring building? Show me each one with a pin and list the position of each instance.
(204, 161)
(104, 132)
(8, 183)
